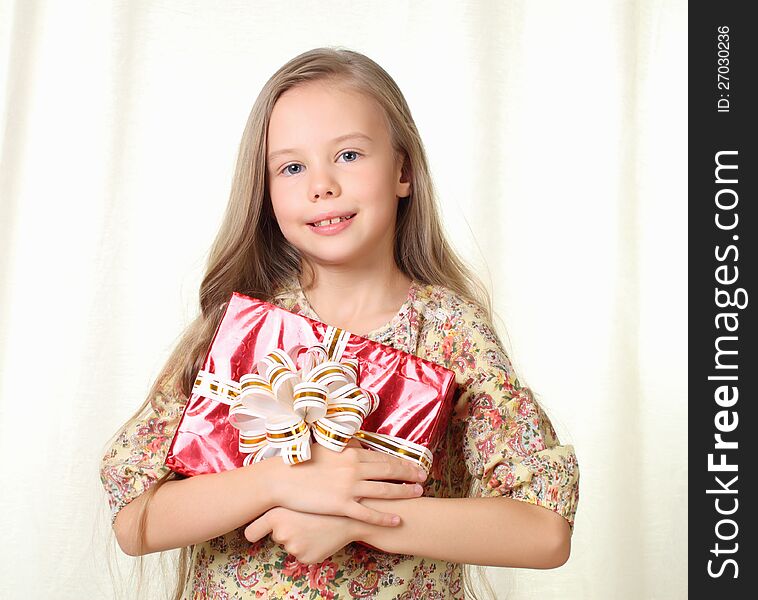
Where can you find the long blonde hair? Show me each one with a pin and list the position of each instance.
(241, 257)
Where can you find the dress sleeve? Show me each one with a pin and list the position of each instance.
(135, 459)
(509, 444)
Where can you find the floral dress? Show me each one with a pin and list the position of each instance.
(498, 438)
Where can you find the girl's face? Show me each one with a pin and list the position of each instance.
(330, 154)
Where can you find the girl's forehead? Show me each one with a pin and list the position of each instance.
(319, 104)
(325, 110)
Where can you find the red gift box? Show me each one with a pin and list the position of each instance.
(414, 395)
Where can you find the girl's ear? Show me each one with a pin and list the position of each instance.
(403, 187)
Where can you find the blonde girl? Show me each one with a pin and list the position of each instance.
(332, 215)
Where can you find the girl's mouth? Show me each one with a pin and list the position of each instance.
(331, 226)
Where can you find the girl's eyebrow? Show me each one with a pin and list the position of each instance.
(342, 138)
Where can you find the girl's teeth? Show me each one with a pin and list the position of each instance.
(331, 221)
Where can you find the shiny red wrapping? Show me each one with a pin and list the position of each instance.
(415, 395)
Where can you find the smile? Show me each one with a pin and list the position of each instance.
(331, 226)
(331, 221)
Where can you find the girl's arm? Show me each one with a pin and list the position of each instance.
(498, 531)
(188, 511)
(495, 531)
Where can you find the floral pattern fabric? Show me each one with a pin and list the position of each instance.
(498, 439)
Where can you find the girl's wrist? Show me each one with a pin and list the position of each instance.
(272, 477)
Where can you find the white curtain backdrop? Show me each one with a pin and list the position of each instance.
(557, 137)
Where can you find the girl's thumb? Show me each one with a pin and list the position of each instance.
(258, 528)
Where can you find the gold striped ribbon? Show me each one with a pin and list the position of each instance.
(279, 408)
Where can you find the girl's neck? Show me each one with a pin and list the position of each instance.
(359, 301)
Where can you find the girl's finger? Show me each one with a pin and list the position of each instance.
(381, 489)
(366, 455)
(396, 469)
(372, 517)
(258, 528)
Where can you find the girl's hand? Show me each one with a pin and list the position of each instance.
(332, 483)
(309, 538)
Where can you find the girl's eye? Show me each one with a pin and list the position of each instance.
(350, 156)
(351, 152)
(286, 170)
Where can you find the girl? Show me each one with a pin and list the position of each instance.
(332, 215)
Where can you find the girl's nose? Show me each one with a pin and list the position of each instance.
(320, 191)
(317, 195)
(323, 185)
